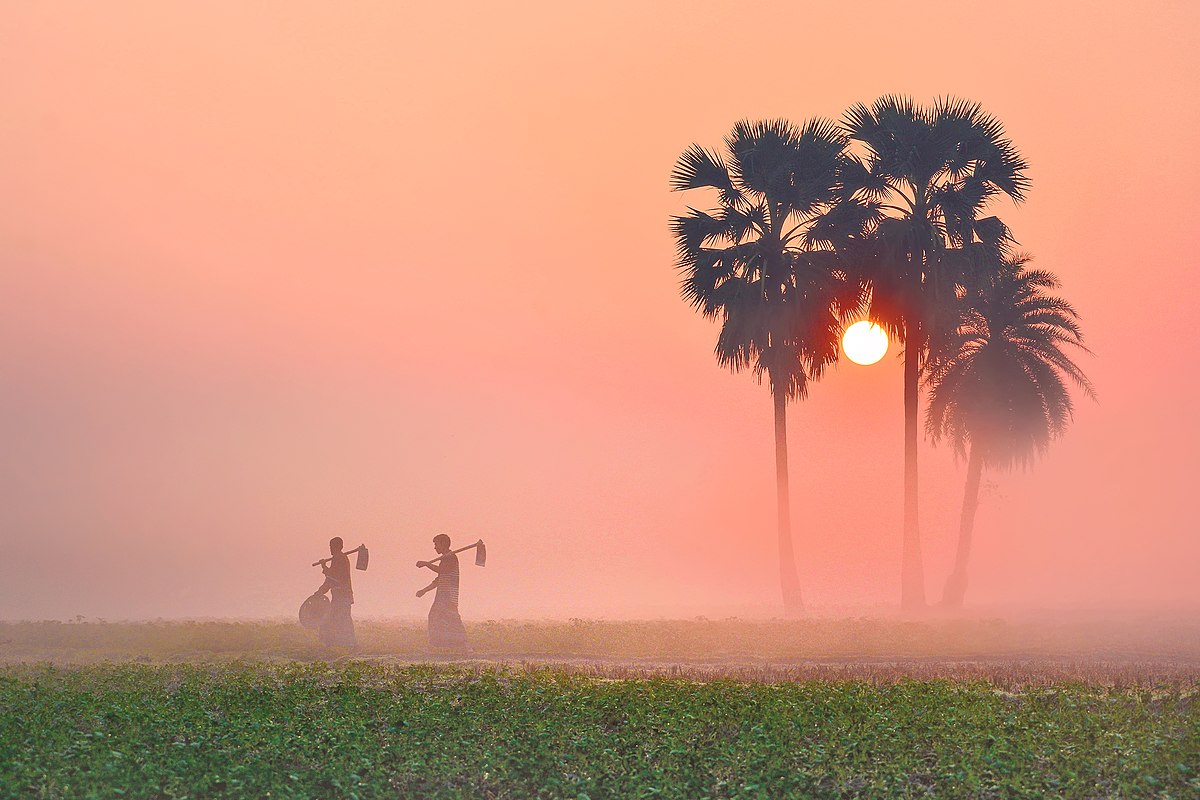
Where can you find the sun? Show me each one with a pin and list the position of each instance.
(864, 342)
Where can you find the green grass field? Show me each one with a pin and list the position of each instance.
(600, 710)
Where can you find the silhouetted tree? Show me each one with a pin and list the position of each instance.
(998, 383)
(929, 172)
(752, 264)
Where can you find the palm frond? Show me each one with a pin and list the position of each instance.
(696, 229)
(698, 168)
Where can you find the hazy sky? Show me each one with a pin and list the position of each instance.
(273, 272)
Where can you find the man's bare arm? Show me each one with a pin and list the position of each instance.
(330, 582)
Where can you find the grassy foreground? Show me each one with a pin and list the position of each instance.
(362, 730)
(861, 707)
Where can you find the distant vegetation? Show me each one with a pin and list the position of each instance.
(882, 216)
(1137, 650)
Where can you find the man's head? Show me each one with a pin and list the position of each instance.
(441, 543)
(335, 545)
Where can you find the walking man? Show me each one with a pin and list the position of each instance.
(445, 625)
(338, 627)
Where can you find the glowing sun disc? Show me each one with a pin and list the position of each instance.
(864, 342)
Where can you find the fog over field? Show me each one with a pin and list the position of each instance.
(276, 273)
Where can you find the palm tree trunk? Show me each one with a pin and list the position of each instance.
(912, 573)
(956, 584)
(789, 580)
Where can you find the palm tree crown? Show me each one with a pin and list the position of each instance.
(928, 173)
(755, 263)
(998, 383)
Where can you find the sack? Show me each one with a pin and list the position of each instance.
(314, 610)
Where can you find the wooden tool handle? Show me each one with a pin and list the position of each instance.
(344, 552)
(459, 550)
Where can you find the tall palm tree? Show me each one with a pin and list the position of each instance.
(930, 172)
(998, 383)
(755, 264)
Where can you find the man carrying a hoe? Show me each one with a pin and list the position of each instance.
(338, 627)
(445, 625)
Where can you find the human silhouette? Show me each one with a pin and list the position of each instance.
(338, 627)
(445, 625)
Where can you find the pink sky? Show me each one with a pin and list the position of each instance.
(274, 272)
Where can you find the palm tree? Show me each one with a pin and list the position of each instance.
(930, 172)
(998, 384)
(754, 264)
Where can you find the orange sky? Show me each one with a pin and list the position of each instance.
(278, 271)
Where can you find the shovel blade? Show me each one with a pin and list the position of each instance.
(361, 561)
(480, 554)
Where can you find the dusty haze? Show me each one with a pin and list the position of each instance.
(279, 272)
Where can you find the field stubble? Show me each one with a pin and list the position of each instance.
(1130, 652)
